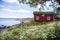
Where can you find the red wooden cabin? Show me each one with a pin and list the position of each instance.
(43, 16)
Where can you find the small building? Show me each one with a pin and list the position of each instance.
(43, 16)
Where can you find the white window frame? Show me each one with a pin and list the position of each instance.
(48, 18)
(37, 17)
(43, 15)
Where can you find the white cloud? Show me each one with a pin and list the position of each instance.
(11, 1)
(19, 11)
(23, 11)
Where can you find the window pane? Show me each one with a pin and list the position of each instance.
(37, 17)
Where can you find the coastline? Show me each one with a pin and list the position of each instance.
(22, 21)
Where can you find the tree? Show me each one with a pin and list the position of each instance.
(39, 3)
(58, 1)
(33, 3)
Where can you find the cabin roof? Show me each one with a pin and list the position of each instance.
(36, 12)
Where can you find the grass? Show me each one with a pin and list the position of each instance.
(32, 31)
(38, 12)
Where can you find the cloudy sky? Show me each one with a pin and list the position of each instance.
(12, 9)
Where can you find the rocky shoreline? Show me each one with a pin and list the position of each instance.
(22, 21)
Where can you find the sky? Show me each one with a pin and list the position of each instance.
(13, 9)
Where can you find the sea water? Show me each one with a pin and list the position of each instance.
(8, 22)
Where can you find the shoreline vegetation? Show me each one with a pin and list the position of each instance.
(31, 30)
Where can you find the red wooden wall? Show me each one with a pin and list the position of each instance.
(43, 17)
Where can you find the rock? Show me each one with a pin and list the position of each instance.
(8, 27)
(2, 27)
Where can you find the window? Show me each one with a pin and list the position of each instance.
(48, 18)
(37, 17)
(43, 15)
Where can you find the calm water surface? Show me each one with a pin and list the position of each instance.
(8, 22)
